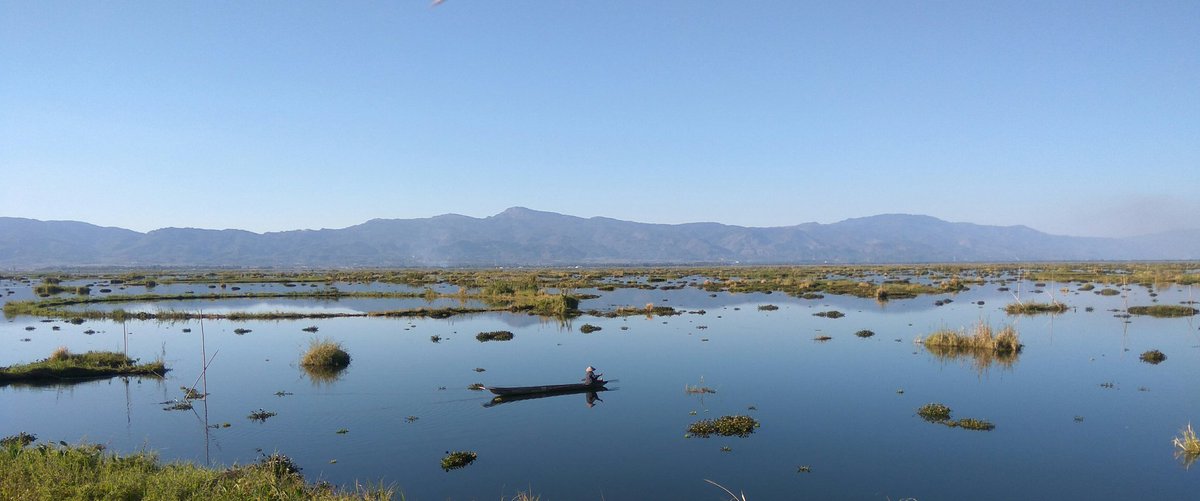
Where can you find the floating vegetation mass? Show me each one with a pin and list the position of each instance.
(1035, 308)
(1163, 310)
(940, 414)
(728, 426)
(494, 336)
(1153, 357)
(458, 459)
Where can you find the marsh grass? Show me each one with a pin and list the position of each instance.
(981, 337)
(1187, 445)
(1163, 310)
(64, 365)
(88, 472)
(1035, 308)
(325, 353)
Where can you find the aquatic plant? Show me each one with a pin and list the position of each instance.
(767, 307)
(934, 412)
(64, 365)
(458, 459)
(494, 336)
(830, 314)
(261, 415)
(982, 337)
(1034, 308)
(1187, 445)
(239, 331)
(728, 426)
(1153, 357)
(1163, 310)
(865, 333)
(1108, 292)
(325, 353)
(822, 338)
(435, 338)
(940, 414)
(311, 328)
(588, 328)
(476, 386)
(972, 424)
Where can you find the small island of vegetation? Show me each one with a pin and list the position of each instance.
(62, 365)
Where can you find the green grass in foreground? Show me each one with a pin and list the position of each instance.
(63, 364)
(87, 472)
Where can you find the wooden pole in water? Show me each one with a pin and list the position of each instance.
(125, 336)
(203, 358)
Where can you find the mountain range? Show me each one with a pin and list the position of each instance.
(525, 237)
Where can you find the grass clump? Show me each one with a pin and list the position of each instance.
(1187, 445)
(494, 336)
(1153, 357)
(934, 412)
(87, 472)
(1163, 310)
(726, 426)
(865, 333)
(62, 365)
(829, 314)
(1108, 292)
(325, 353)
(982, 337)
(458, 459)
(588, 328)
(940, 414)
(1035, 308)
(768, 307)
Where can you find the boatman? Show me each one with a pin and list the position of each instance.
(590, 376)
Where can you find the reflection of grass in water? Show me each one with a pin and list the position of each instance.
(983, 345)
(320, 375)
(981, 360)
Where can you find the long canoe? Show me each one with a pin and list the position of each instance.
(552, 388)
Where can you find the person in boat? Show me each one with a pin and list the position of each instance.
(590, 376)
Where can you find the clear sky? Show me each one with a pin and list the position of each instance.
(1079, 118)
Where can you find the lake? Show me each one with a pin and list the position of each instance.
(1077, 414)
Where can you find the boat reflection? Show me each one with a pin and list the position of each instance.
(590, 397)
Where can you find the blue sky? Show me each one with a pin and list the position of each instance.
(1078, 118)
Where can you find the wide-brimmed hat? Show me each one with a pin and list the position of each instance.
(590, 369)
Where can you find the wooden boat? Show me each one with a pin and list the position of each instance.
(552, 388)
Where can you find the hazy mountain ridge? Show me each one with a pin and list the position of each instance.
(520, 236)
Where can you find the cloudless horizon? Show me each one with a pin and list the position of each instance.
(1072, 118)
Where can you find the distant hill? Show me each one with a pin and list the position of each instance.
(520, 236)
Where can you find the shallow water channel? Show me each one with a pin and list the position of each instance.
(1077, 414)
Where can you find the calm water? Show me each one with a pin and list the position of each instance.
(833, 406)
